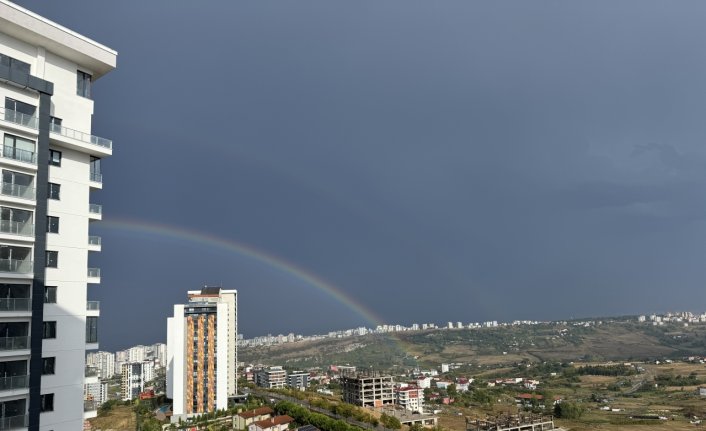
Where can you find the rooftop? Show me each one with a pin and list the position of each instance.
(33, 29)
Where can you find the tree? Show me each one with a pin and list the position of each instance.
(567, 410)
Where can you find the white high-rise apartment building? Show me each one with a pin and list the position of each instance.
(136, 354)
(104, 362)
(202, 352)
(50, 163)
(135, 375)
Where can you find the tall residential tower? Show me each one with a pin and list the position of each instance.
(50, 163)
(202, 354)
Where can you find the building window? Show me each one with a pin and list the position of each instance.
(83, 84)
(18, 148)
(48, 365)
(55, 124)
(48, 330)
(52, 258)
(54, 158)
(50, 294)
(47, 403)
(14, 63)
(91, 329)
(52, 224)
(54, 191)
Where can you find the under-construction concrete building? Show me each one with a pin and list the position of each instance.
(521, 422)
(368, 390)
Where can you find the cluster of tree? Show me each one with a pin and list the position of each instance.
(601, 370)
(679, 380)
(302, 415)
(342, 409)
(568, 410)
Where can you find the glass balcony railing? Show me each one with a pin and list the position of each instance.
(93, 305)
(12, 422)
(16, 228)
(95, 209)
(14, 343)
(17, 266)
(94, 240)
(14, 304)
(96, 177)
(91, 372)
(13, 116)
(94, 272)
(89, 405)
(18, 191)
(13, 382)
(80, 136)
(19, 154)
(32, 122)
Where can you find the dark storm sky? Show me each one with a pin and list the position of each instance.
(435, 160)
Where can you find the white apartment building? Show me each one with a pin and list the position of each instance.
(271, 378)
(202, 352)
(96, 393)
(410, 398)
(135, 376)
(50, 163)
(136, 353)
(104, 362)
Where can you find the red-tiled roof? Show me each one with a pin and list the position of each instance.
(257, 412)
(530, 396)
(277, 420)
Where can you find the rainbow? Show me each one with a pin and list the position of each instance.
(250, 252)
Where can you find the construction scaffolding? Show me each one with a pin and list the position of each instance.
(520, 422)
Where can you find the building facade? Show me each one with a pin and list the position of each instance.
(298, 380)
(50, 163)
(410, 398)
(373, 390)
(202, 352)
(134, 378)
(272, 378)
(104, 362)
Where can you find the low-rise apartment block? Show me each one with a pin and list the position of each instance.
(298, 380)
(271, 378)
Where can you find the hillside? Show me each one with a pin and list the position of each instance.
(614, 340)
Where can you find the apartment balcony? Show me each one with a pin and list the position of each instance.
(95, 211)
(18, 191)
(94, 243)
(90, 409)
(13, 382)
(16, 266)
(17, 228)
(92, 308)
(14, 343)
(19, 154)
(14, 422)
(80, 140)
(14, 304)
(96, 179)
(20, 119)
(94, 275)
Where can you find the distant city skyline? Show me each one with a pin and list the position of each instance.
(538, 161)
